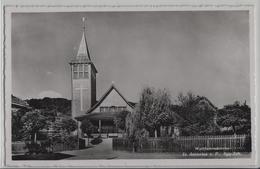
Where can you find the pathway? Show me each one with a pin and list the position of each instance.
(103, 150)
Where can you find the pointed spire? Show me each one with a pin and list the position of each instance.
(83, 50)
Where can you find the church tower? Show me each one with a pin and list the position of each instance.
(83, 78)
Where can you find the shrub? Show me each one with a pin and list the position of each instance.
(71, 141)
(36, 148)
(96, 141)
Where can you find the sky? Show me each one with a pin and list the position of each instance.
(206, 52)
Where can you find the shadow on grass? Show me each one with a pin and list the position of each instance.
(51, 156)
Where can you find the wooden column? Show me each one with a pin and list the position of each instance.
(99, 127)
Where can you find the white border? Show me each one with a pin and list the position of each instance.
(111, 5)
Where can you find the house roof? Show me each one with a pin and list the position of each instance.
(19, 103)
(202, 99)
(131, 104)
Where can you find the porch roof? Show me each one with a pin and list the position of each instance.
(106, 116)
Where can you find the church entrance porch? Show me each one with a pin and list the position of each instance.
(104, 124)
(105, 129)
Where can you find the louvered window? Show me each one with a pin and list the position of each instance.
(80, 71)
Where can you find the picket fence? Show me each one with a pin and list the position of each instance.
(207, 143)
(230, 143)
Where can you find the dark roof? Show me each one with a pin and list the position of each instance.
(202, 98)
(105, 95)
(131, 104)
(83, 50)
(100, 116)
(19, 103)
(83, 55)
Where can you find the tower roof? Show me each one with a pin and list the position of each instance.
(83, 54)
(83, 51)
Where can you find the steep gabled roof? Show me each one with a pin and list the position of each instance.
(83, 51)
(205, 100)
(131, 104)
(83, 54)
(104, 97)
(19, 103)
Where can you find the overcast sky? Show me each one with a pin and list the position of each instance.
(203, 52)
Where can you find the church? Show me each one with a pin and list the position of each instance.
(85, 105)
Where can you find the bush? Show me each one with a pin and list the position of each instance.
(96, 141)
(71, 142)
(36, 148)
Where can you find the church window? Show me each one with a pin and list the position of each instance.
(85, 71)
(75, 75)
(85, 75)
(80, 75)
(80, 71)
(75, 71)
(122, 108)
(75, 67)
(81, 67)
(112, 108)
(102, 109)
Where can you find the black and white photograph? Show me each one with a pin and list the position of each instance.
(128, 85)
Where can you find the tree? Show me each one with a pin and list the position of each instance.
(186, 100)
(33, 122)
(155, 105)
(69, 125)
(236, 116)
(120, 118)
(135, 131)
(63, 126)
(87, 127)
(152, 111)
(133, 123)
